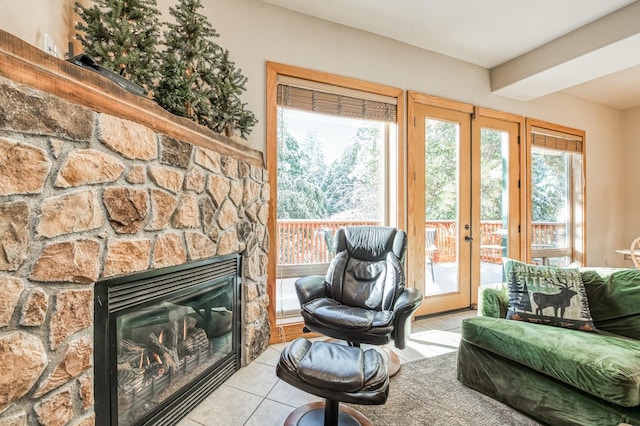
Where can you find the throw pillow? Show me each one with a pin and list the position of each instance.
(547, 295)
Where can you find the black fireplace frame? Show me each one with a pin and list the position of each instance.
(115, 296)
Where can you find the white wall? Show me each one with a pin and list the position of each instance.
(256, 32)
(630, 158)
(32, 19)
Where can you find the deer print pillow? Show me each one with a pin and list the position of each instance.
(547, 295)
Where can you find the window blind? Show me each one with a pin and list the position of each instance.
(551, 139)
(323, 98)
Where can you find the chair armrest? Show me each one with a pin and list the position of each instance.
(406, 304)
(310, 287)
(493, 302)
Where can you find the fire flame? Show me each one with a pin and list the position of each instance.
(157, 358)
(184, 329)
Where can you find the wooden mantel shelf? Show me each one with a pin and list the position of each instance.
(28, 65)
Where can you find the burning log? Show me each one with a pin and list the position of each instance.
(169, 356)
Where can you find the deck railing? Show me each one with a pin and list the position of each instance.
(303, 241)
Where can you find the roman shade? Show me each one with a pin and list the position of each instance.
(311, 96)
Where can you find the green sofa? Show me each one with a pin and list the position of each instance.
(556, 375)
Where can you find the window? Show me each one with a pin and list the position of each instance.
(556, 208)
(331, 173)
(333, 161)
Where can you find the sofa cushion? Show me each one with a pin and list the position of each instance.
(547, 295)
(614, 299)
(600, 364)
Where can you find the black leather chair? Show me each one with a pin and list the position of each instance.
(363, 298)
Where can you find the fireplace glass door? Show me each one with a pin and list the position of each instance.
(165, 343)
(164, 346)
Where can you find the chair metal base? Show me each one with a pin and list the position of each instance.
(327, 413)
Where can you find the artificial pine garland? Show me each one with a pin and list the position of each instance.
(193, 77)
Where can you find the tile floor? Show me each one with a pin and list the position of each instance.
(254, 396)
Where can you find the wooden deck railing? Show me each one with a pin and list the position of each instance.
(303, 241)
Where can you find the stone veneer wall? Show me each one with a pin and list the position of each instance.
(86, 196)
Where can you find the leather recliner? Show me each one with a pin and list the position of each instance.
(363, 298)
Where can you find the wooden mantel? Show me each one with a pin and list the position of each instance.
(26, 64)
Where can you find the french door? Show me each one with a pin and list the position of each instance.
(463, 215)
(496, 196)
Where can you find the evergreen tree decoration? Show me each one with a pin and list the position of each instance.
(230, 113)
(122, 35)
(189, 64)
(198, 79)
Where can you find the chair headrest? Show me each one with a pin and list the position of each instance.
(371, 243)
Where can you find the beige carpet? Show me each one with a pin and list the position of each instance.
(426, 392)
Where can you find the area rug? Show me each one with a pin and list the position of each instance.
(426, 392)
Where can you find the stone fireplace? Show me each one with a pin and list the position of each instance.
(95, 184)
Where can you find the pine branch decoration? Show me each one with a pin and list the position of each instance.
(123, 36)
(230, 113)
(188, 64)
(193, 77)
(198, 79)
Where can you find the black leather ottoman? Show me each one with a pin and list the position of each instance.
(337, 373)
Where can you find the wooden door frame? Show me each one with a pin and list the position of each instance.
(286, 332)
(415, 273)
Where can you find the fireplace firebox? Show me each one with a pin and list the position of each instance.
(164, 340)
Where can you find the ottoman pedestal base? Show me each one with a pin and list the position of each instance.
(336, 373)
(315, 413)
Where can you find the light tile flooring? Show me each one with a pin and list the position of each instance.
(254, 396)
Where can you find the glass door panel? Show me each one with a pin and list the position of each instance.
(441, 207)
(439, 158)
(494, 203)
(496, 208)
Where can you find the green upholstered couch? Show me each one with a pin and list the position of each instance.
(555, 375)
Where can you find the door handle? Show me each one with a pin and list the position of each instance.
(468, 239)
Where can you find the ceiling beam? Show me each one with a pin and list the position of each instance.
(602, 47)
